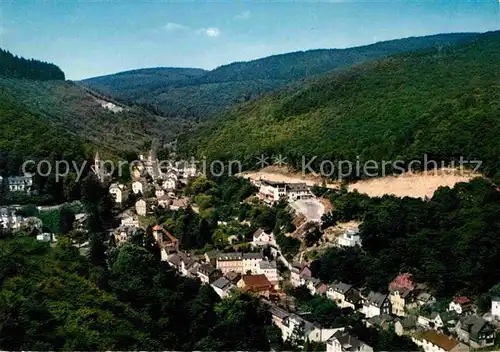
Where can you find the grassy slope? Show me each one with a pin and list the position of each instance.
(78, 113)
(441, 102)
(207, 93)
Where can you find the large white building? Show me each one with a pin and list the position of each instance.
(20, 183)
(349, 238)
(271, 192)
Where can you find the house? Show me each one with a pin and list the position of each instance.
(495, 307)
(475, 331)
(137, 187)
(255, 283)
(118, 192)
(227, 262)
(222, 287)
(20, 183)
(296, 191)
(461, 305)
(140, 207)
(342, 341)
(235, 277)
(433, 341)
(261, 238)
(269, 269)
(178, 203)
(353, 299)
(290, 324)
(164, 201)
(44, 237)
(170, 183)
(207, 273)
(239, 262)
(298, 274)
(211, 257)
(382, 321)
(251, 262)
(315, 286)
(129, 220)
(406, 325)
(336, 292)
(159, 191)
(375, 304)
(271, 192)
(349, 238)
(124, 233)
(438, 321)
(165, 240)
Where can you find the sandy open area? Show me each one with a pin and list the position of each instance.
(417, 185)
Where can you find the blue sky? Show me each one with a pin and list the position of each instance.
(90, 38)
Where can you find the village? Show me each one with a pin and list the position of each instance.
(407, 307)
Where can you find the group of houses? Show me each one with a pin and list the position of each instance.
(271, 191)
(154, 183)
(456, 329)
(22, 184)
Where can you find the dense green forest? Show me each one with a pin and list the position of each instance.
(52, 299)
(440, 102)
(17, 67)
(197, 94)
(449, 242)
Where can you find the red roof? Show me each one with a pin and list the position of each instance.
(165, 232)
(256, 282)
(462, 300)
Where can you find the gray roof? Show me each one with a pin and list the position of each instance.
(474, 325)
(221, 283)
(259, 231)
(298, 187)
(278, 312)
(267, 265)
(251, 255)
(409, 322)
(348, 342)
(206, 269)
(341, 287)
(229, 256)
(376, 299)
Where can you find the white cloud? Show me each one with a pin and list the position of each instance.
(171, 26)
(211, 32)
(245, 15)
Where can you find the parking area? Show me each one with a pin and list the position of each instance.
(312, 209)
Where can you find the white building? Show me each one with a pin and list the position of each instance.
(45, 237)
(261, 238)
(376, 304)
(290, 324)
(350, 238)
(495, 307)
(140, 207)
(20, 183)
(270, 270)
(170, 183)
(222, 287)
(342, 341)
(251, 262)
(297, 191)
(159, 192)
(137, 187)
(433, 341)
(118, 192)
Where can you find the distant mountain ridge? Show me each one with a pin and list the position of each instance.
(443, 103)
(198, 94)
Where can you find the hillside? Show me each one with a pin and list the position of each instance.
(439, 102)
(84, 114)
(17, 67)
(192, 93)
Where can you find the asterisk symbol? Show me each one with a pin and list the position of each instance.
(262, 161)
(280, 160)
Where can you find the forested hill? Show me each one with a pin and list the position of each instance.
(193, 93)
(444, 102)
(17, 67)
